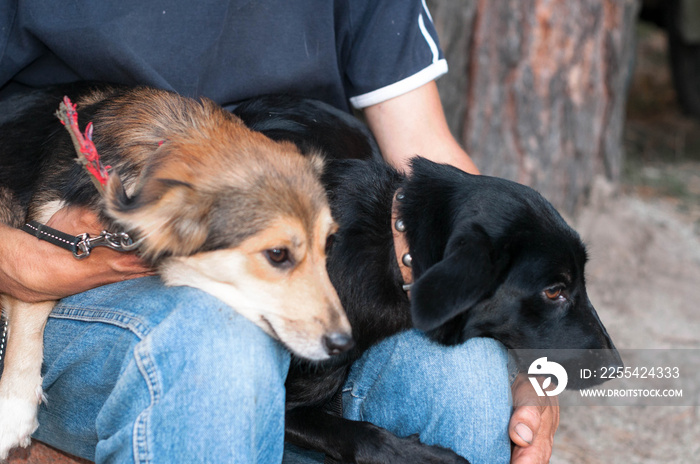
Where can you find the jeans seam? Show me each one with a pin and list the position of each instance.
(104, 315)
(147, 367)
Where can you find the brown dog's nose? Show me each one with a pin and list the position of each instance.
(337, 342)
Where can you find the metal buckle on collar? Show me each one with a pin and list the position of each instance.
(119, 241)
(3, 338)
(401, 249)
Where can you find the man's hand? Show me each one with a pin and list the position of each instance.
(34, 270)
(533, 423)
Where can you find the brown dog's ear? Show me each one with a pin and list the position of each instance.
(168, 216)
(452, 286)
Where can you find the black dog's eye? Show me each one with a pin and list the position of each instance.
(279, 257)
(554, 293)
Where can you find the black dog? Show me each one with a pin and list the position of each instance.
(490, 258)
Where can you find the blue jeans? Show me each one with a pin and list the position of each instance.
(136, 372)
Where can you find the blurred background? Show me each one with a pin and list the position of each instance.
(596, 103)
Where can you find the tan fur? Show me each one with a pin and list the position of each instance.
(206, 154)
(207, 199)
(305, 306)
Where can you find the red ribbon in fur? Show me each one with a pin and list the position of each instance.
(84, 148)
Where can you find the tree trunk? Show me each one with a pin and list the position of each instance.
(537, 88)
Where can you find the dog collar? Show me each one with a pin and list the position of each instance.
(3, 338)
(403, 256)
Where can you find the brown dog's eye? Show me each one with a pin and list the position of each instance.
(278, 257)
(553, 293)
(329, 243)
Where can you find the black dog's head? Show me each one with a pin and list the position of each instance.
(493, 258)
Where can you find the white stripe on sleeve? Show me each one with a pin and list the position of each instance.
(401, 87)
(428, 38)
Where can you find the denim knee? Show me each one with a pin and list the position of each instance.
(138, 372)
(203, 383)
(207, 339)
(456, 397)
(483, 394)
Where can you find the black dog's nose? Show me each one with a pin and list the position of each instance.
(337, 342)
(614, 359)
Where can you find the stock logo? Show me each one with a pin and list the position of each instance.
(542, 367)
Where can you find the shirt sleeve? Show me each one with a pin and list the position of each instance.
(389, 48)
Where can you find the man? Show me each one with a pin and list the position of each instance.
(136, 372)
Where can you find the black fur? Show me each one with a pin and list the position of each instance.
(28, 118)
(285, 117)
(484, 251)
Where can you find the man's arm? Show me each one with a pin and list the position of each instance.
(414, 124)
(34, 270)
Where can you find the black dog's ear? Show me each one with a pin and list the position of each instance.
(467, 273)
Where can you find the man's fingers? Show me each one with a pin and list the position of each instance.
(532, 432)
(536, 454)
(527, 413)
(75, 220)
(524, 424)
(119, 262)
(533, 423)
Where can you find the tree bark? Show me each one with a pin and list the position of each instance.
(537, 88)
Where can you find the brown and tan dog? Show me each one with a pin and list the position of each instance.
(211, 203)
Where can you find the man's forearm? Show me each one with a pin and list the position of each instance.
(414, 124)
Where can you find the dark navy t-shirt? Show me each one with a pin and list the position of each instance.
(357, 52)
